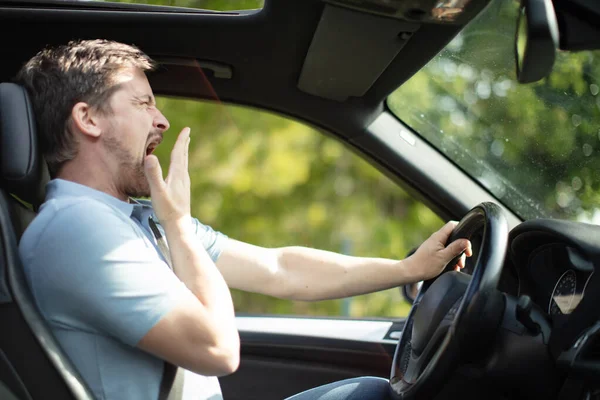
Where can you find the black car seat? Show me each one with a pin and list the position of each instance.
(32, 364)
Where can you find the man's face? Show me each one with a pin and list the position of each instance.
(132, 130)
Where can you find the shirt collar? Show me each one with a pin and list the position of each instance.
(62, 188)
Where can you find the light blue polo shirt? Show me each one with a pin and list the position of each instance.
(101, 283)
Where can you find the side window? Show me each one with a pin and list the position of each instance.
(273, 182)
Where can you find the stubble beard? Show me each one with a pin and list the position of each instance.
(131, 179)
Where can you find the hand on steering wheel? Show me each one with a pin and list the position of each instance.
(438, 252)
(454, 312)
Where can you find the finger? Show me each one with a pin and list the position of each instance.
(455, 248)
(469, 249)
(445, 231)
(179, 153)
(457, 265)
(187, 153)
(153, 173)
(462, 260)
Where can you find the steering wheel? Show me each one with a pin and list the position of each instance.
(453, 314)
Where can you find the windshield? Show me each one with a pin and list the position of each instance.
(536, 147)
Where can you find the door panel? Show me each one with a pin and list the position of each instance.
(284, 356)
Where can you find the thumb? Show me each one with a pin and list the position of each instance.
(454, 249)
(153, 172)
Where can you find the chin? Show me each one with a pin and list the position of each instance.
(139, 192)
(132, 179)
(138, 188)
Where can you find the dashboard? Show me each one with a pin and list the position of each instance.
(548, 326)
(554, 263)
(558, 277)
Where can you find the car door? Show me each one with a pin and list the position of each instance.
(282, 356)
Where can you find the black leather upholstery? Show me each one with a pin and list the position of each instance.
(32, 364)
(22, 170)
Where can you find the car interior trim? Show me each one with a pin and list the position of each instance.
(337, 44)
(360, 330)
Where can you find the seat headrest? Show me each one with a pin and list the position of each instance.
(23, 171)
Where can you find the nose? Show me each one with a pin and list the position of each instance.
(160, 122)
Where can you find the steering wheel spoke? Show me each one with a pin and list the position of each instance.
(418, 363)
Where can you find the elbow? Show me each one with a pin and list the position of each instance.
(223, 358)
(229, 359)
(283, 281)
(291, 282)
(230, 364)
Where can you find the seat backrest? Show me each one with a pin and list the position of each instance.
(32, 364)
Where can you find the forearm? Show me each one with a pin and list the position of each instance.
(194, 267)
(312, 274)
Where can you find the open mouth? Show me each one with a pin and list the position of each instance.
(153, 145)
(150, 149)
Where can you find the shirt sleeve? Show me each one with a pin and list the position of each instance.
(213, 241)
(96, 271)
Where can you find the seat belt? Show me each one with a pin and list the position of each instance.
(171, 384)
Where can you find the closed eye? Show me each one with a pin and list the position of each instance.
(146, 101)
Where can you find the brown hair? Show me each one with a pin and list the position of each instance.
(60, 77)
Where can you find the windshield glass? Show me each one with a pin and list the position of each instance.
(536, 147)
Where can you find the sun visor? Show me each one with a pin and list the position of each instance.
(349, 51)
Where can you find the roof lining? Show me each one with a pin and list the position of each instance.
(265, 50)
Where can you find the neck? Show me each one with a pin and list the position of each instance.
(97, 177)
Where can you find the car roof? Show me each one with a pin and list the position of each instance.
(330, 66)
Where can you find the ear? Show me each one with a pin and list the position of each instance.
(86, 119)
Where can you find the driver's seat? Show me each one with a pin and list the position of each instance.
(32, 364)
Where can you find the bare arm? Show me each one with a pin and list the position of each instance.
(199, 334)
(301, 273)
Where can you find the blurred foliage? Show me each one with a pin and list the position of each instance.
(535, 146)
(272, 181)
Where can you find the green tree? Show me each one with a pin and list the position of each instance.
(534, 146)
(272, 181)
